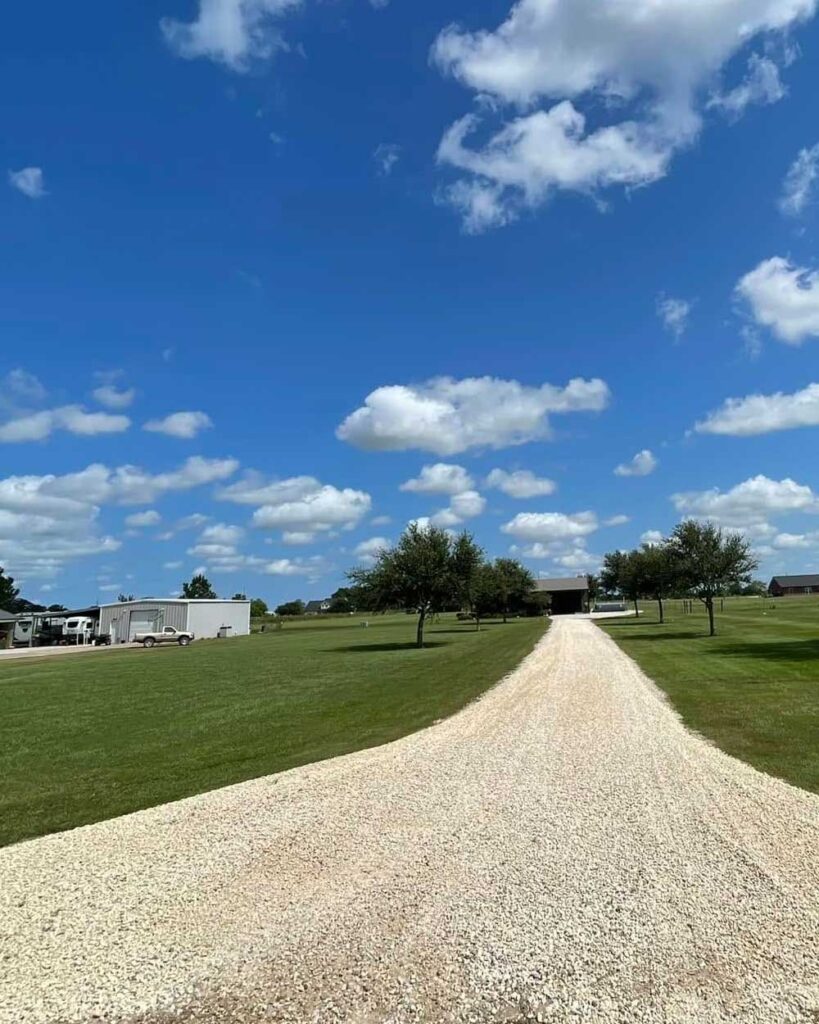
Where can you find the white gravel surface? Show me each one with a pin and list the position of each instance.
(562, 850)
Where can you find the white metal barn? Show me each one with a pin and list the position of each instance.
(122, 621)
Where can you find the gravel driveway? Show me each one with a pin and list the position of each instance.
(562, 850)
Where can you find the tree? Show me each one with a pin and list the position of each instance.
(258, 608)
(8, 592)
(486, 593)
(125, 598)
(707, 561)
(594, 587)
(291, 608)
(417, 575)
(56, 608)
(239, 597)
(466, 564)
(514, 584)
(343, 601)
(199, 588)
(656, 573)
(622, 574)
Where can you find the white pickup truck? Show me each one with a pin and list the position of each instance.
(168, 635)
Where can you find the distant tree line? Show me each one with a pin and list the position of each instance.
(697, 560)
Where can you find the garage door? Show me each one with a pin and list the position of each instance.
(141, 623)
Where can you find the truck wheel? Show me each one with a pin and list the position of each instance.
(184, 641)
(148, 641)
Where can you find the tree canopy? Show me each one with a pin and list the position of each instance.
(291, 608)
(258, 608)
(199, 588)
(8, 592)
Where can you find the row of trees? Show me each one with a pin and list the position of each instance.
(698, 560)
(428, 571)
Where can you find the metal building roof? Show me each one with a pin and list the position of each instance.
(555, 586)
(797, 581)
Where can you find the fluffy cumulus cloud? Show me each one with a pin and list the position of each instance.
(386, 156)
(641, 67)
(522, 483)
(673, 314)
(783, 298)
(302, 507)
(184, 425)
(442, 478)
(551, 527)
(368, 550)
(467, 505)
(643, 464)
(448, 416)
(651, 537)
(750, 505)
(139, 520)
(113, 397)
(231, 32)
(801, 181)
(73, 419)
(29, 181)
(47, 521)
(764, 414)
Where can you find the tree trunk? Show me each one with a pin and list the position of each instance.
(504, 613)
(662, 610)
(477, 622)
(636, 608)
(709, 604)
(419, 638)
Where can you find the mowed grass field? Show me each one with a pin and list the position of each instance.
(753, 689)
(91, 736)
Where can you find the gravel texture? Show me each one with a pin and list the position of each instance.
(562, 850)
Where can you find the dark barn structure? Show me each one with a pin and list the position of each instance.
(790, 586)
(564, 596)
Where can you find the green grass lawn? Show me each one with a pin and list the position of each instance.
(86, 737)
(753, 689)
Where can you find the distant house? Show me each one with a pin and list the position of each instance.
(564, 596)
(317, 607)
(790, 586)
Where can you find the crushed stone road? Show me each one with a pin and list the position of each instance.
(562, 850)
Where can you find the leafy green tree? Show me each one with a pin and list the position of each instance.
(56, 608)
(514, 585)
(708, 561)
(486, 593)
(199, 588)
(291, 608)
(239, 597)
(8, 592)
(622, 574)
(258, 608)
(417, 575)
(343, 601)
(125, 598)
(657, 573)
(466, 563)
(594, 585)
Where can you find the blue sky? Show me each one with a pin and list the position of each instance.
(346, 241)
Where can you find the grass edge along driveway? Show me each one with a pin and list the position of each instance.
(84, 739)
(753, 690)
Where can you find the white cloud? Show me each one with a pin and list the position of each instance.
(461, 507)
(651, 537)
(761, 85)
(442, 478)
(299, 505)
(313, 568)
(620, 520)
(642, 67)
(221, 533)
(386, 156)
(113, 398)
(24, 385)
(764, 414)
(368, 550)
(297, 537)
(550, 527)
(522, 483)
(674, 314)
(448, 416)
(784, 298)
(184, 425)
(643, 464)
(139, 519)
(172, 565)
(73, 419)
(231, 32)
(29, 181)
(749, 505)
(801, 182)
(380, 521)
(795, 541)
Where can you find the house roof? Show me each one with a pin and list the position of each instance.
(6, 616)
(316, 606)
(797, 581)
(554, 586)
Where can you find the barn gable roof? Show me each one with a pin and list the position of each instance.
(556, 586)
(810, 580)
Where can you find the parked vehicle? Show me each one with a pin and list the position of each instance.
(168, 635)
(79, 630)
